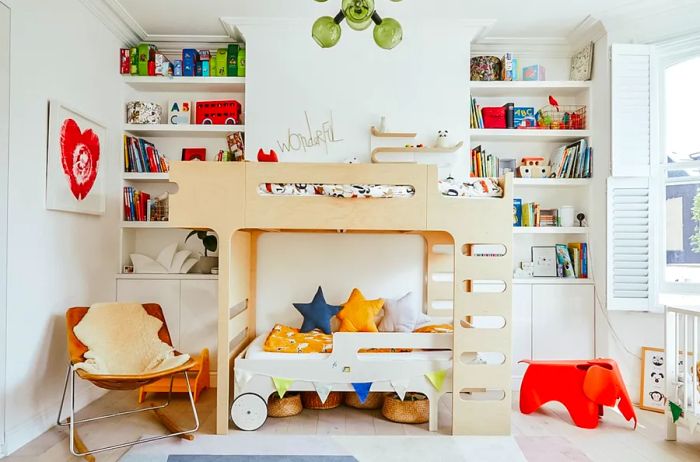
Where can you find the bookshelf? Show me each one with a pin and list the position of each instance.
(550, 193)
(149, 238)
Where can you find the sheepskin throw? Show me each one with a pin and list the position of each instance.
(122, 339)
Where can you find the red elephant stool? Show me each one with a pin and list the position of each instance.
(583, 387)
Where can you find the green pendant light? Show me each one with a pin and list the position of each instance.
(359, 15)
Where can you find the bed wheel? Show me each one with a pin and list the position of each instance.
(249, 411)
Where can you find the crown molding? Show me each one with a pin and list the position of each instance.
(552, 47)
(589, 30)
(113, 15)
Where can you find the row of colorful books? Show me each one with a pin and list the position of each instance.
(572, 160)
(139, 206)
(572, 260)
(141, 156)
(483, 164)
(531, 214)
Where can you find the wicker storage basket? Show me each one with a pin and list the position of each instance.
(311, 400)
(414, 409)
(284, 407)
(374, 400)
(485, 68)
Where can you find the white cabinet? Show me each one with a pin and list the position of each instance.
(190, 308)
(563, 321)
(521, 330)
(198, 317)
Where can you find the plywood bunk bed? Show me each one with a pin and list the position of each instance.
(236, 201)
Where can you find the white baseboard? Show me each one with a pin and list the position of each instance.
(19, 435)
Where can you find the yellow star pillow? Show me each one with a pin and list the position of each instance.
(358, 313)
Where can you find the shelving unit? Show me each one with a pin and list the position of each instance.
(186, 84)
(552, 182)
(529, 88)
(168, 276)
(547, 281)
(506, 134)
(549, 230)
(144, 224)
(189, 131)
(159, 177)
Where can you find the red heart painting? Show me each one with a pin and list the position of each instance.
(80, 157)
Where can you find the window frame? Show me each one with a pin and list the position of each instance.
(669, 54)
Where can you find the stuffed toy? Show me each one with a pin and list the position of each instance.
(271, 157)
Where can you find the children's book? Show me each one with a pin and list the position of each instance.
(517, 212)
(564, 259)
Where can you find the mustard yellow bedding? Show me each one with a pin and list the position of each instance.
(285, 339)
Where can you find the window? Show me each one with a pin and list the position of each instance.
(681, 152)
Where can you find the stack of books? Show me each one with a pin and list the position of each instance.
(572, 160)
(138, 206)
(140, 156)
(483, 164)
(572, 260)
(549, 217)
(526, 214)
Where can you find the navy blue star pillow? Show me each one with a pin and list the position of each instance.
(317, 314)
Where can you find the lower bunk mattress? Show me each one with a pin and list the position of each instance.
(256, 351)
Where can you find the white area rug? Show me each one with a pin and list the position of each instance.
(363, 448)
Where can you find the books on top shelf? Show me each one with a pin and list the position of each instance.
(572, 260)
(141, 156)
(139, 206)
(572, 160)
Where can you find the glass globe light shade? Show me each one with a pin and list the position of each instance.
(326, 32)
(388, 34)
(358, 13)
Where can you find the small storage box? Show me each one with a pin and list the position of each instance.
(141, 112)
(485, 68)
(494, 117)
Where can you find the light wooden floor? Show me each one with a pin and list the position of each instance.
(540, 435)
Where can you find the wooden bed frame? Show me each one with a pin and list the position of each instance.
(224, 197)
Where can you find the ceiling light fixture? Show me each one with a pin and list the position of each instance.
(359, 15)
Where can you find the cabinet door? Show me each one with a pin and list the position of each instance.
(562, 322)
(521, 330)
(164, 292)
(199, 318)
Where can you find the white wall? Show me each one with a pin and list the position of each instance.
(56, 260)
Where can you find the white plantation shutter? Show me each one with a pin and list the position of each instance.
(631, 266)
(634, 110)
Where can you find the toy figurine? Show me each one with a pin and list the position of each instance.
(443, 140)
(265, 157)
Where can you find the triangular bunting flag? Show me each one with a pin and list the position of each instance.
(436, 378)
(400, 387)
(243, 377)
(323, 390)
(282, 385)
(676, 411)
(362, 390)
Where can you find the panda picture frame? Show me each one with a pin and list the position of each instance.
(652, 389)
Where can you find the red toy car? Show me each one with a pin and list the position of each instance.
(223, 112)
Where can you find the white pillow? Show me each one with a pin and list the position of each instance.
(402, 314)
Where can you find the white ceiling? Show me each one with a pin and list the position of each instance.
(513, 18)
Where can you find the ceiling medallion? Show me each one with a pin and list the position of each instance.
(359, 14)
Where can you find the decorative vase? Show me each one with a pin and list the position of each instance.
(205, 264)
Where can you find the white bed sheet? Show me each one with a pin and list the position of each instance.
(256, 351)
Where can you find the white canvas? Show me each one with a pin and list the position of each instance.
(75, 162)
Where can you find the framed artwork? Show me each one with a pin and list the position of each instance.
(582, 64)
(653, 386)
(74, 176)
(544, 261)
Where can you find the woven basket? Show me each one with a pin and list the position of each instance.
(311, 400)
(374, 400)
(412, 410)
(284, 407)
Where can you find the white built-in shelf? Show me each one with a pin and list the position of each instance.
(566, 281)
(188, 131)
(552, 182)
(550, 230)
(515, 134)
(189, 276)
(145, 224)
(188, 84)
(529, 88)
(145, 177)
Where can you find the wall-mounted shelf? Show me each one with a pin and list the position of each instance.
(552, 182)
(510, 134)
(188, 84)
(145, 224)
(169, 276)
(145, 177)
(189, 131)
(529, 88)
(379, 134)
(564, 281)
(390, 150)
(550, 230)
